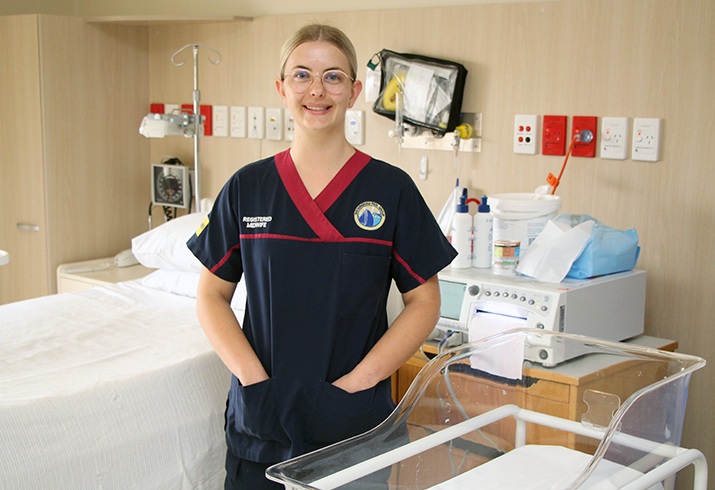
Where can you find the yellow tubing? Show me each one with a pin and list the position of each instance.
(389, 101)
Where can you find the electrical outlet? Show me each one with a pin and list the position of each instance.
(289, 125)
(614, 138)
(274, 124)
(525, 134)
(554, 135)
(355, 127)
(238, 122)
(256, 123)
(581, 149)
(646, 139)
(220, 122)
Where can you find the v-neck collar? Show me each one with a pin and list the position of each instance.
(313, 210)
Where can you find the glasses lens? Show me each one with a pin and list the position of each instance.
(335, 81)
(299, 80)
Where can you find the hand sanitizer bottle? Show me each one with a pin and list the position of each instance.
(483, 236)
(462, 234)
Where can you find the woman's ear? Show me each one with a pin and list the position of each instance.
(281, 89)
(355, 93)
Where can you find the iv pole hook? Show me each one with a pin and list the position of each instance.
(197, 112)
(196, 50)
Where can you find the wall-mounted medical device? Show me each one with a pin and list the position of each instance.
(477, 304)
(171, 185)
(160, 125)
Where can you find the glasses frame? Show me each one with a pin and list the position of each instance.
(317, 75)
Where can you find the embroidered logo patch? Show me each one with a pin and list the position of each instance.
(369, 216)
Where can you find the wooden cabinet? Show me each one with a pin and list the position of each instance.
(74, 170)
(557, 391)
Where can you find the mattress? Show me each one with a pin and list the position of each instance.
(109, 388)
(536, 467)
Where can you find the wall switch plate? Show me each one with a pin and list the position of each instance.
(581, 123)
(355, 127)
(289, 125)
(220, 122)
(238, 122)
(554, 135)
(525, 134)
(646, 139)
(274, 124)
(256, 123)
(614, 138)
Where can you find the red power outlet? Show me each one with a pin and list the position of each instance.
(584, 149)
(206, 111)
(554, 136)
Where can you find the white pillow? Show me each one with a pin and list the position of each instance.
(164, 247)
(185, 283)
(182, 283)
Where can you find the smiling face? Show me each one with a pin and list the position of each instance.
(317, 109)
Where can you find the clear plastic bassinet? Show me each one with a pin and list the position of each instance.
(488, 415)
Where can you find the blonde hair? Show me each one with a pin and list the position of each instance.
(320, 32)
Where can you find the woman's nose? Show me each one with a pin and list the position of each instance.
(317, 86)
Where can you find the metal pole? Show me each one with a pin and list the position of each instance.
(197, 132)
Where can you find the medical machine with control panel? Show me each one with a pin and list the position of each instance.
(477, 304)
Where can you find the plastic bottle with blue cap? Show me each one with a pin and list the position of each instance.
(462, 234)
(483, 225)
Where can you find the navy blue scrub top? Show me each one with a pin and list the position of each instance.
(317, 274)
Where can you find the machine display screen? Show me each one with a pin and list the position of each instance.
(452, 297)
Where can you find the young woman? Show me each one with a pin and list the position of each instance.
(318, 232)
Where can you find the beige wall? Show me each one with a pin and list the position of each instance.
(636, 58)
(58, 7)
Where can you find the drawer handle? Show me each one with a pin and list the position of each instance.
(21, 226)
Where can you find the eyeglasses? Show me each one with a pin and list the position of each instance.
(334, 81)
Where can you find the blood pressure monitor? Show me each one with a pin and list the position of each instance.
(171, 185)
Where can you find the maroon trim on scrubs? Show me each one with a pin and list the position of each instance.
(342, 180)
(312, 209)
(301, 239)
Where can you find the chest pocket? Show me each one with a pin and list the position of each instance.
(364, 280)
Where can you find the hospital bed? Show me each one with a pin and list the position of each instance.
(115, 387)
(479, 417)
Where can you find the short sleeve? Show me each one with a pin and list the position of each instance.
(420, 249)
(217, 242)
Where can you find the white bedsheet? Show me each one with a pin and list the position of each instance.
(109, 388)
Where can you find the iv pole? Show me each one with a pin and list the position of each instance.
(198, 125)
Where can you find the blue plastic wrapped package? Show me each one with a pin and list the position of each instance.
(608, 250)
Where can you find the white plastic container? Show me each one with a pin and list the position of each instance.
(482, 250)
(462, 234)
(521, 217)
(506, 257)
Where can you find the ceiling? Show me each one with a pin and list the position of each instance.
(214, 9)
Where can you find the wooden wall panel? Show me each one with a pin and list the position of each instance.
(641, 58)
(95, 93)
